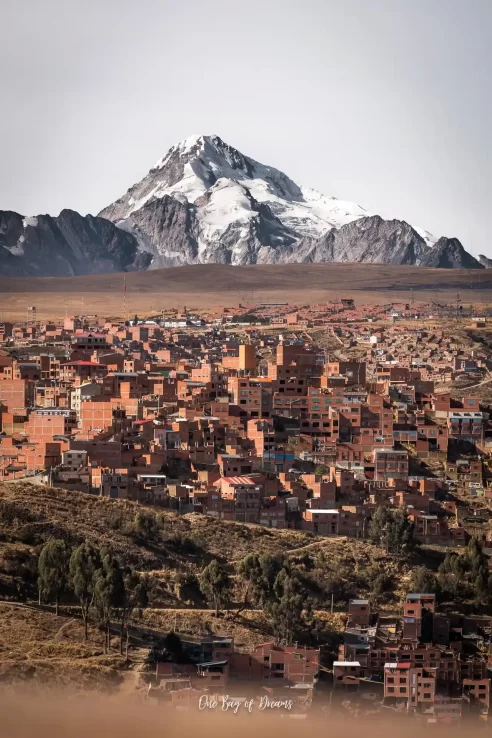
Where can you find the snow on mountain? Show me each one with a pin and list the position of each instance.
(240, 211)
(205, 202)
(226, 187)
(428, 237)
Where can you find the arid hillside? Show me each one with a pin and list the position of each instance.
(170, 552)
(218, 284)
(171, 549)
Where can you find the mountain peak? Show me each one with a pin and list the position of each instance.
(206, 202)
(448, 253)
(237, 210)
(191, 147)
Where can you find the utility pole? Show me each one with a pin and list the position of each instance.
(125, 313)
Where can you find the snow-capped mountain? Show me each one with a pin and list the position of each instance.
(236, 210)
(205, 202)
(205, 166)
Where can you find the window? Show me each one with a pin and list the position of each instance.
(427, 695)
(391, 689)
(403, 690)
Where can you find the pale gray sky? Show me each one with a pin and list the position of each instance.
(384, 102)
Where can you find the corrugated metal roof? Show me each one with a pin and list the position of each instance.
(239, 480)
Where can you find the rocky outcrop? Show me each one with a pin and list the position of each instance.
(369, 239)
(70, 244)
(485, 262)
(448, 253)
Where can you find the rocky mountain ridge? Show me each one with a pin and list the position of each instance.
(206, 202)
(69, 244)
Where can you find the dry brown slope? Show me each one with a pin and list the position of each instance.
(38, 645)
(218, 284)
(171, 549)
(149, 539)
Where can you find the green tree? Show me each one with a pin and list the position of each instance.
(53, 570)
(135, 597)
(392, 529)
(378, 525)
(451, 575)
(85, 561)
(400, 532)
(146, 525)
(383, 585)
(174, 645)
(271, 566)
(423, 581)
(215, 584)
(249, 573)
(286, 609)
(109, 593)
(466, 574)
(477, 563)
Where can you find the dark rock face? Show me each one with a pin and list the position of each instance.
(380, 241)
(167, 230)
(370, 239)
(485, 261)
(448, 253)
(69, 244)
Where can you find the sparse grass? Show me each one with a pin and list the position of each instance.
(218, 284)
(36, 645)
(171, 549)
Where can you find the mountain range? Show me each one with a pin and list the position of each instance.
(205, 202)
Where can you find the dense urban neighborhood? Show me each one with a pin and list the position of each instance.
(365, 423)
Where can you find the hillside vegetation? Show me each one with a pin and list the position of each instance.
(174, 549)
(302, 578)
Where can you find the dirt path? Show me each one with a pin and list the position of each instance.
(131, 678)
(487, 379)
(322, 540)
(61, 632)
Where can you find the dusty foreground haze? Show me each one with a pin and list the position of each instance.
(218, 284)
(25, 716)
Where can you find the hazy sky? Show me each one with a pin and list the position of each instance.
(384, 102)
